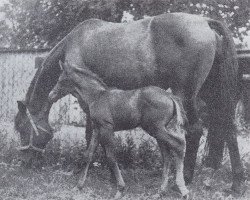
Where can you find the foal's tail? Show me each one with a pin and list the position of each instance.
(181, 117)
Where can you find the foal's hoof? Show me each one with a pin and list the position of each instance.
(186, 197)
(184, 192)
(119, 194)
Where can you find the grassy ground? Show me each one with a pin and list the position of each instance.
(17, 184)
(56, 182)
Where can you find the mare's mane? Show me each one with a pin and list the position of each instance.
(45, 78)
(32, 85)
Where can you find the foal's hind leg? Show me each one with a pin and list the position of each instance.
(176, 142)
(179, 160)
(89, 157)
(107, 142)
(166, 165)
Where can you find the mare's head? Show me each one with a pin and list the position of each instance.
(31, 120)
(35, 132)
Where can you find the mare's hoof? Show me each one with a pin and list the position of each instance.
(175, 188)
(80, 185)
(188, 177)
(236, 190)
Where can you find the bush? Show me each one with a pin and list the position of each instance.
(148, 156)
(71, 157)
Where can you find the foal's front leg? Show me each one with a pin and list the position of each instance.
(89, 157)
(108, 143)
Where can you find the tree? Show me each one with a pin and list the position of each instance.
(42, 23)
(234, 12)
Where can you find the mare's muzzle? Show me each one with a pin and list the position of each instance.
(34, 132)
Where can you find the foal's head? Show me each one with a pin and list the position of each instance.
(65, 83)
(74, 79)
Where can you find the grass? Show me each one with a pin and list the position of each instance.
(56, 180)
(17, 183)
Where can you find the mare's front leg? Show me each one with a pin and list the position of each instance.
(89, 129)
(108, 143)
(89, 157)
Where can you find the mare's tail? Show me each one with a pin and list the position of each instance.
(227, 79)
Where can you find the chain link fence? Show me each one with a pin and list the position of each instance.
(17, 69)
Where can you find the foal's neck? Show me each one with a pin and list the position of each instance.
(89, 96)
(89, 90)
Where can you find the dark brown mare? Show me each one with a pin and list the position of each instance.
(151, 108)
(190, 54)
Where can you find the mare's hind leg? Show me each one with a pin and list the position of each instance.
(195, 131)
(89, 157)
(108, 143)
(192, 146)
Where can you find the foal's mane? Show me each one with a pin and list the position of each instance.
(90, 74)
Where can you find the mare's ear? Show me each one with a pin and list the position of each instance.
(22, 106)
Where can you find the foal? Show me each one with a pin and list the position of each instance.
(111, 110)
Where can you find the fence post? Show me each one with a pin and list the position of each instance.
(246, 97)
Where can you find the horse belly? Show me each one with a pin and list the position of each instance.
(125, 109)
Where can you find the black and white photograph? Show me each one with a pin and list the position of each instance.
(124, 99)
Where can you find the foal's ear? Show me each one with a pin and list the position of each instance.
(21, 106)
(64, 66)
(61, 65)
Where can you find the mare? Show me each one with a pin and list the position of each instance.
(190, 54)
(151, 108)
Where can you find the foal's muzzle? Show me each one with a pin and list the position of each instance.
(52, 97)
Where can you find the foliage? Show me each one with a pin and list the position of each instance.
(234, 12)
(42, 23)
(148, 156)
